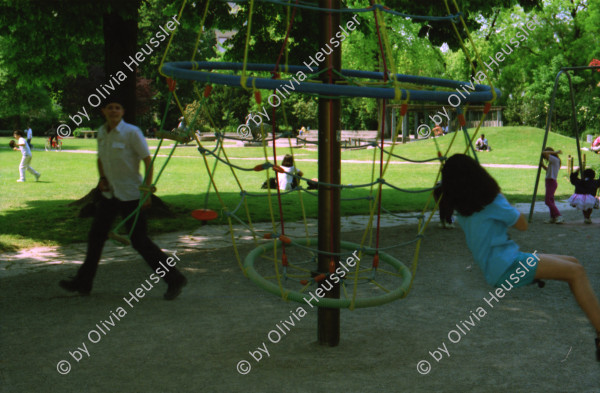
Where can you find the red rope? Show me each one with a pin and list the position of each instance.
(287, 35)
(275, 75)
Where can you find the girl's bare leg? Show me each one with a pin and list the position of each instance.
(567, 268)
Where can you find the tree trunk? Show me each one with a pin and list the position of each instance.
(120, 42)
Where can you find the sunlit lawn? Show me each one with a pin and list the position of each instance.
(37, 213)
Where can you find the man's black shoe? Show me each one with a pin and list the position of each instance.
(175, 287)
(73, 285)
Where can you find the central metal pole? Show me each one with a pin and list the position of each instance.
(329, 172)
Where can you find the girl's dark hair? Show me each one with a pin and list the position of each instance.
(466, 186)
(288, 160)
(589, 174)
(19, 133)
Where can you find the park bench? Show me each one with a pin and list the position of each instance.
(357, 138)
(347, 138)
(206, 137)
(88, 133)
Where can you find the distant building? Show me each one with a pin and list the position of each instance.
(418, 114)
(222, 37)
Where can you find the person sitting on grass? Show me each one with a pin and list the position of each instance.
(485, 215)
(438, 130)
(595, 147)
(482, 144)
(52, 134)
(287, 180)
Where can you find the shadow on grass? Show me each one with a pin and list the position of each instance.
(53, 222)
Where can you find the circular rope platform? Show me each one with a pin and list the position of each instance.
(399, 269)
(190, 70)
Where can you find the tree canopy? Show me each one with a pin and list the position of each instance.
(53, 55)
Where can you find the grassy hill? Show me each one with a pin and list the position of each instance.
(37, 213)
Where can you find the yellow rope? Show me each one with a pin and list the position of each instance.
(201, 30)
(466, 52)
(244, 77)
(369, 229)
(389, 55)
(475, 50)
(162, 61)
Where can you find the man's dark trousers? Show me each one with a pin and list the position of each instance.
(106, 212)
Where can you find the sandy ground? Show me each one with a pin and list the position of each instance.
(531, 340)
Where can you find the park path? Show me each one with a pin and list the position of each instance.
(208, 237)
(516, 166)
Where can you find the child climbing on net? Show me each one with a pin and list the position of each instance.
(584, 198)
(485, 215)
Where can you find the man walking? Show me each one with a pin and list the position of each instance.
(121, 147)
(26, 157)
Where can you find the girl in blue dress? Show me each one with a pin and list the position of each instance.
(485, 215)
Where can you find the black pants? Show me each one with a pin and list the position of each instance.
(106, 212)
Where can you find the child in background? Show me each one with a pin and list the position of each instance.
(551, 157)
(26, 158)
(485, 216)
(286, 180)
(29, 136)
(584, 198)
(595, 146)
(482, 144)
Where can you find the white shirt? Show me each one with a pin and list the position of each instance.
(285, 179)
(553, 167)
(25, 148)
(29, 133)
(120, 152)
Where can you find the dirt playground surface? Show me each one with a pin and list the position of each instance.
(531, 340)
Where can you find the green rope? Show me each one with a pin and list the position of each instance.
(143, 199)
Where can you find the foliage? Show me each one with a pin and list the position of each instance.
(49, 65)
(184, 183)
(209, 114)
(567, 37)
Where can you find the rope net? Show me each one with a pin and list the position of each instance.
(283, 262)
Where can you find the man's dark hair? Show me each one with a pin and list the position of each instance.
(113, 98)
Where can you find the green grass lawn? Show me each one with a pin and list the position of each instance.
(33, 214)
